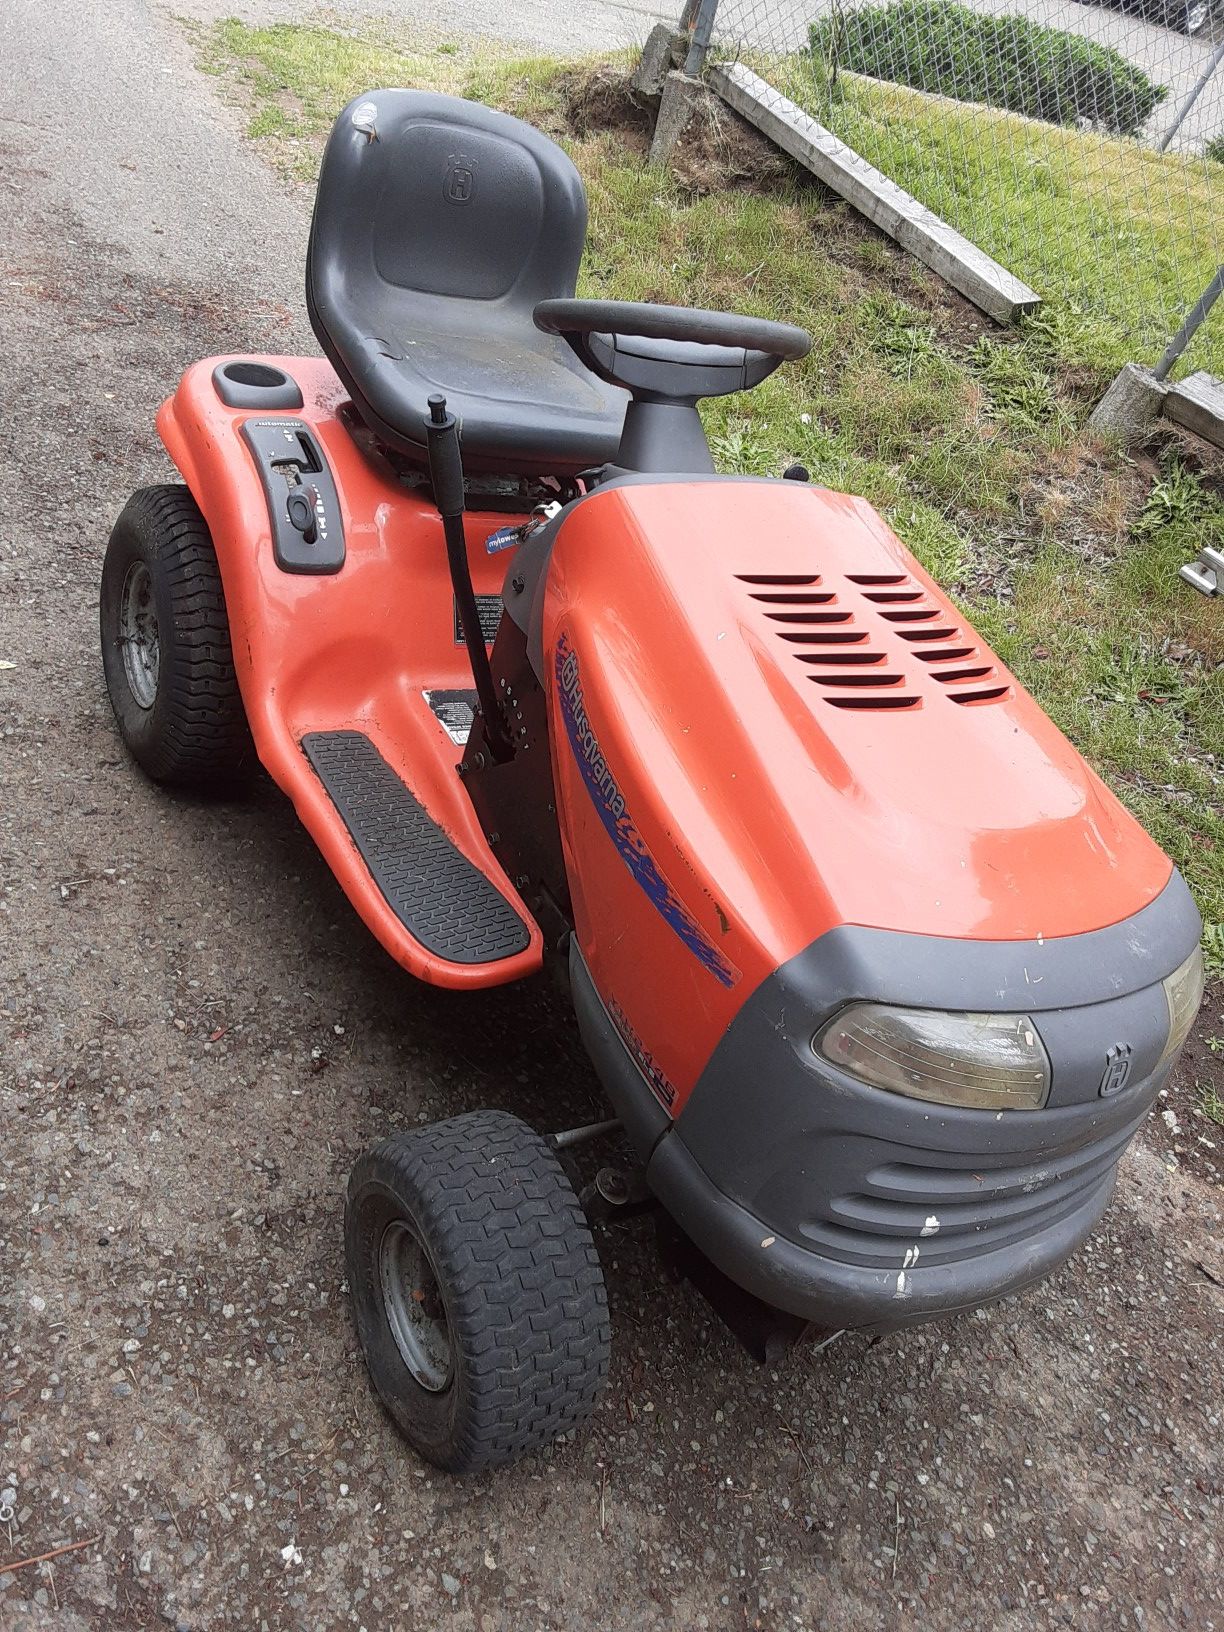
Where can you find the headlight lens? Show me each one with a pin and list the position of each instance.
(1183, 992)
(988, 1061)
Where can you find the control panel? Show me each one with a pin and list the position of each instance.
(307, 532)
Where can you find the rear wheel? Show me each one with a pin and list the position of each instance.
(476, 1289)
(166, 647)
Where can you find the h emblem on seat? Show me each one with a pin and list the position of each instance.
(460, 181)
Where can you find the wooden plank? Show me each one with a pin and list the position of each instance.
(1198, 403)
(991, 287)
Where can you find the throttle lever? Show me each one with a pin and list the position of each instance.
(302, 509)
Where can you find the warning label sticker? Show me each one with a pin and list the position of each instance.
(454, 711)
(489, 610)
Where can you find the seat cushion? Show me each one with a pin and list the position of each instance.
(438, 225)
(521, 408)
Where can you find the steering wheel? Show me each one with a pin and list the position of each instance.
(671, 354)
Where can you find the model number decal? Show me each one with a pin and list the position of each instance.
(654, 1073)
(609, 804)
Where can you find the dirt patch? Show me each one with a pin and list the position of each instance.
(1188, 1129)
(1198, 457)
(1089, 496)
(599, 100)
(1079, 491)
(719, 151)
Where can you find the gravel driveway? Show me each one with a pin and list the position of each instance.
(197, 1037)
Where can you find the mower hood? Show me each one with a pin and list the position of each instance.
(805, 732)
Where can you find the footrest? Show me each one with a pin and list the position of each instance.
(440, 897)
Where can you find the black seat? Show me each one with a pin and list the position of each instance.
(438, 225)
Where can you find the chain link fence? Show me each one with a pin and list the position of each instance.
(1081, 145)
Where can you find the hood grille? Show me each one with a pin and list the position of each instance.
(870, 640)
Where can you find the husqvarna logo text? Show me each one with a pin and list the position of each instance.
(609, 803)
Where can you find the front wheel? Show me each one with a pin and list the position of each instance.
(476, 1288)
(165, 645)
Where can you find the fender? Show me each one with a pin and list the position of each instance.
(329, 653)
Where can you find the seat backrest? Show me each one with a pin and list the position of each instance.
(458, 213)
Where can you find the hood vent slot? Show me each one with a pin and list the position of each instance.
(777, 578)
(892, 701)
(980, 694)
(856, 679)
(840, 657)
(942, 633)
(800, 597)
(948, 675)
(823, 637)
(823, 633)
(948, 654)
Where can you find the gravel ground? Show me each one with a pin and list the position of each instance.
(197, 1037)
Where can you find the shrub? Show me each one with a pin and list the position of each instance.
(1215, 150)
(1006, 62)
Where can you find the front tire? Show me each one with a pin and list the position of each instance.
(476, 1288)
(166, 648)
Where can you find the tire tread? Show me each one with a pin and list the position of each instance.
(513, 1247)
(198, 736)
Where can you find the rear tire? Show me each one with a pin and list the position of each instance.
(476, 1288)
(166, 647)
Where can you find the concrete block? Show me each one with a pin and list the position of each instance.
(991, 287)
(682, 98)
(663, 51)
(1131, 405)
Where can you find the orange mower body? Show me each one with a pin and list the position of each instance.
(878, 977)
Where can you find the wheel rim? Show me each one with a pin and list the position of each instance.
(415, 1311)
(138, 635)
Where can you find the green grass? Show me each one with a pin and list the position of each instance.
(1063, 554)
(296, 78)
(1210, 1103)
(1120, 238)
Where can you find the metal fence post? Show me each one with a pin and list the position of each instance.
(702, 15)
(1193, 321)
(1217, 56)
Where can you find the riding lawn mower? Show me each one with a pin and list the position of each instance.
(878, 977)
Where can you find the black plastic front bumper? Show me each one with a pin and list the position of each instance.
(853, 1207)
(919, 1256)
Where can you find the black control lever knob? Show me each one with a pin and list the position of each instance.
(301, 508)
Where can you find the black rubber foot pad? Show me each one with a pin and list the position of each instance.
(433, 889)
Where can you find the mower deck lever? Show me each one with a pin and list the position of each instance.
(446, 479)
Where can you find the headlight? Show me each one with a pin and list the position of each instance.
(991, 1062)
(1183, 992)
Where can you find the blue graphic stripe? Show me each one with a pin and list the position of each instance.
(609, 804)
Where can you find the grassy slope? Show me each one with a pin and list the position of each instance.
(1127, 237)
(1064, 555)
